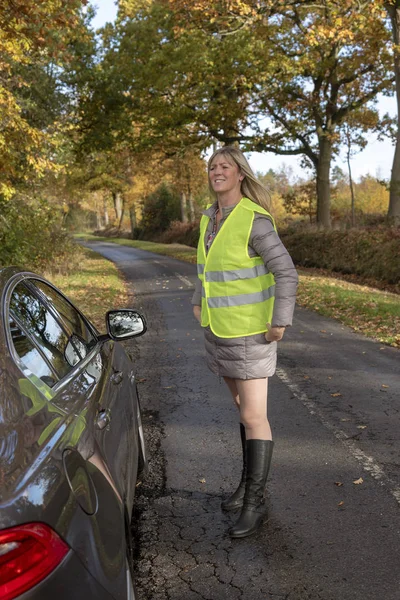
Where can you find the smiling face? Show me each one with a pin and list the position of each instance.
(224, 175)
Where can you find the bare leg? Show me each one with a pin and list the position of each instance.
(253, 408)
(231, 383)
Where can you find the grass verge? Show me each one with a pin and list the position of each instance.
(372, 312)
(95, 287)
(178, 251)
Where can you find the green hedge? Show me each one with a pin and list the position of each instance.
(372, 253)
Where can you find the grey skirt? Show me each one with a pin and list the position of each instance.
(250, 357)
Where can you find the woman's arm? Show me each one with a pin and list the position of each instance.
(196, 300)
(265, 242)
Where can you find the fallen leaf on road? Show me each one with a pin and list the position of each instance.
(323, 330)
(358, 481)
(345, 420)
(306, 377)
(202, 480)
(384, 386)
(361, 427)
(336, 394)
(338, 483)
(341, 503)
(141, 380)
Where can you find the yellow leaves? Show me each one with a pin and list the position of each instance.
(129, 8)
(358, 481)
(336, 394)
(7, 191)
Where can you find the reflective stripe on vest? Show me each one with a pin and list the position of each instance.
(238, 291)
(238, 274)
(240, 300)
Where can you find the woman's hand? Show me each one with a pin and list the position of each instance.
(197, 312)
(274, 334)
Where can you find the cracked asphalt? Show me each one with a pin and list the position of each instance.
(334, 409)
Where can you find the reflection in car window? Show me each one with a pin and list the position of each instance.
(75, 350)
(67, 312)
(41, 326)
(30, 356)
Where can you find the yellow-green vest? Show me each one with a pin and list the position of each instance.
(238, 291)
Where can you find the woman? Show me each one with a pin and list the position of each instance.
(244, 299)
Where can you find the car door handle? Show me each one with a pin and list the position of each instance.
(103, 419)
(117, 377)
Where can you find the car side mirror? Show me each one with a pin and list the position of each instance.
(125, 323)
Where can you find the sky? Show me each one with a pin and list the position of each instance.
(376, 159)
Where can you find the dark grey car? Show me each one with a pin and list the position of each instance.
(71, 446)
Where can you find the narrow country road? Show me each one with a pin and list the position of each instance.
(333, 531)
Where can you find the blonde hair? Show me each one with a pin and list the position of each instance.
(250, 186)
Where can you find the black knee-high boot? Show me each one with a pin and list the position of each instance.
(259, 454)
(236, 499)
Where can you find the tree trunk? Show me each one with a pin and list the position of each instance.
(105, 212)
(394, 201)
(184, 218)
(132, 217)
(98, 220)
(192, 215)
(117, 205)
(323, 183)
(353, 216)
(122, 213)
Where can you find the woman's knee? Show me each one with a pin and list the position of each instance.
(252, 419)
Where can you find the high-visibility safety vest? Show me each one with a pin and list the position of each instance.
(238, 291)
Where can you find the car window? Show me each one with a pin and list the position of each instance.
(30, 355)
(67, 313)
(45, 333)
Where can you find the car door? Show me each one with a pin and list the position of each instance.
(118, 438)
(67, 376)
(116, 418)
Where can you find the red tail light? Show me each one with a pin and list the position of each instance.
(28, 553)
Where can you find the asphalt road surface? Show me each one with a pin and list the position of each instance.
(333, 531)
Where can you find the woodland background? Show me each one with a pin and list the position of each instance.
(108, 130)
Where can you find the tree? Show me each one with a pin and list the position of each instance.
(393, 8)
(188, 173)
(313, 65)
(34, 40)
(160, 209)
(301, 200)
